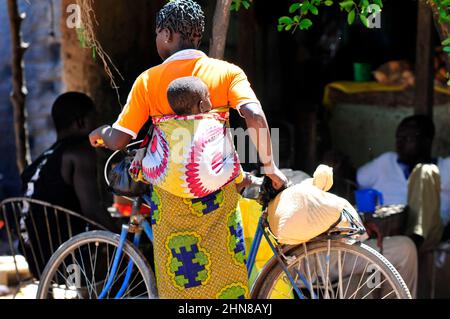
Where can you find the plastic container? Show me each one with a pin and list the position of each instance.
(368, 199)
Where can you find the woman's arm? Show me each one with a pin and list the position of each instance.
(260, 135)
(108, 137)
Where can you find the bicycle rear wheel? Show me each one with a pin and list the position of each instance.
(332, 270)
(80, 269)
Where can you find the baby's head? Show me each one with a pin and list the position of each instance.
(188, 95)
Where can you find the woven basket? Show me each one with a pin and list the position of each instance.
(390, 219)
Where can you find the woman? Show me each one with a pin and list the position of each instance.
(199, 245)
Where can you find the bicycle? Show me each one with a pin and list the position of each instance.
(316, 269)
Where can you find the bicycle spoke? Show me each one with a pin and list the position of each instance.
(322, 275)
(325, 277)
(91, 263)
(327, 260)
(95, 263)
(317, 279)
(351, 276)
(118, 268)
(373, 289)
(142, 294)
(85, 275)
(332, 271)
(359, 285)
(117, 277)
(92, 269)
(392, 291)
(109, 264)
(340, 277)
(134, 287)
(127, 291)
(308, 269)
(132, 281)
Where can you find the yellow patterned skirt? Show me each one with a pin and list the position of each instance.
(199, 247)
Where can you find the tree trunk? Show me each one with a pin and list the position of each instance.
(126, 34)
(19, 91)
(220, 29)
(424, 90)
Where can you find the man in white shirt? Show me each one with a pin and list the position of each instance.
(411, 176)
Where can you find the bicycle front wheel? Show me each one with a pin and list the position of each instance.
(332, 270)
(80, 269)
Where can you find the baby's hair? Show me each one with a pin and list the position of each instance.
(185, 93)
(182, 16)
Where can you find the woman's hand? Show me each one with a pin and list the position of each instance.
(107, 137)
(278, 178)
(96, 137)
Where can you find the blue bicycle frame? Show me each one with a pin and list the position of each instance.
(146, 227)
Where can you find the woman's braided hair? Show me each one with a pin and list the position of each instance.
(185, 17)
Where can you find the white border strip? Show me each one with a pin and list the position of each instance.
(125, 130)
(188, 54)
(238, 107)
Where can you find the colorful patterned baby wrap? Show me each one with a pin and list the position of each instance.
(191, 156)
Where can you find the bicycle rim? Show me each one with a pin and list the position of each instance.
(333, 270)
(80, 269)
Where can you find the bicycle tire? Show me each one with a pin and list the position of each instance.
(96, 237)
(264, 284)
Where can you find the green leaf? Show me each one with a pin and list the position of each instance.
(288, 27)
(446, 41)
(328, 3)
(237, 4)
(444, 20)
(305, 7)
(314, 10)
(347, 5)
(297, 19)
(351, 17)
(285, 20)
(446, 49)
(364, 20)
(246, 4)
(81, 37)
(294, 7)
(305, 24)
(280, 27)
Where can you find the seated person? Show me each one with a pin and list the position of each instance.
(65, 175)
(411, 176)
(399, 250)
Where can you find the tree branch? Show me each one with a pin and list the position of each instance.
(220, 29)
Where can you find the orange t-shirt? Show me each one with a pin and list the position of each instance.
(227, 84)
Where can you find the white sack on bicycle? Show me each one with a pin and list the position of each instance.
(302, 212)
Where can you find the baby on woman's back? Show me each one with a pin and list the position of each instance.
(189, 96)
(190, 154)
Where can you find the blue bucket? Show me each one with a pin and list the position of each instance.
(368, 199)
